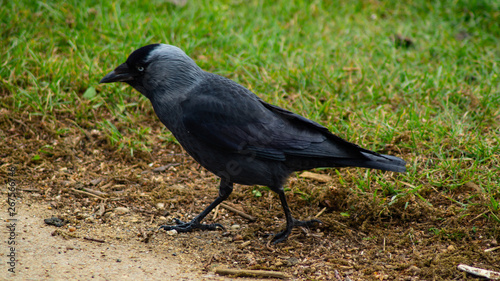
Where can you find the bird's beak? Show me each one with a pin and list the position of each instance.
(120, 74)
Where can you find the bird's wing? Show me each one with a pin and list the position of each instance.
(344, 152)
(250, 128)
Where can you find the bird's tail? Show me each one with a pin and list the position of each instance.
(377, 161)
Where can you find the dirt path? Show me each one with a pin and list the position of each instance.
(42, 256)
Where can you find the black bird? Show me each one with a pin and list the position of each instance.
(233, 133)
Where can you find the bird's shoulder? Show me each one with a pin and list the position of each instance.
(224, 97)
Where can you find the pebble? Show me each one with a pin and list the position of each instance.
(292, 261)
(172, 232)
(235, 226)
(95, 133)
(121, 210)
(451, 248)
(160, 206)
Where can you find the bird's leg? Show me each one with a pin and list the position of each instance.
(290, 221)
(225, 190)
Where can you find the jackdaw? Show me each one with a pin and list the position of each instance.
(233, 133)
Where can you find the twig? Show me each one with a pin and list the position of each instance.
(104, 187)
(95, 192)
(343, 225)
(478, 216)
(492, 249)
(268, 246)
(86, 193)
(94, 239)
(493, 275)
(234, 210)
(244, 244)
(315, 176)
(216, 212)
(251, 273)
(320, 212)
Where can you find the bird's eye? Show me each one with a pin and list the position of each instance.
(140, 68)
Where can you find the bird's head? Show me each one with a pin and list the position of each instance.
(157, 69)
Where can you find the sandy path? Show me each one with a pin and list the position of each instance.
(41, 256)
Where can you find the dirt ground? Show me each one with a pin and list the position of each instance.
(113, 204)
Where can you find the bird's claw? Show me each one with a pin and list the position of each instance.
(283, 235)
(190, 226)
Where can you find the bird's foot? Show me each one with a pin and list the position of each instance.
(282, 236)
(190, 226)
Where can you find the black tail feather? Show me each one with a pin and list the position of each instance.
(384, 162)
(375, 161)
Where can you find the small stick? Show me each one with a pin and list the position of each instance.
(216, 212)
(478, 216)
(344, 225)
(94, 239)
(104, 187)
(268, 246)
(320, 212)
(244, 244)
(252, 273)
(87, 193)
(493, 275)
(492, 249)
(234, 210)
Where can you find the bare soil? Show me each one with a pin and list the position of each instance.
(114, 202)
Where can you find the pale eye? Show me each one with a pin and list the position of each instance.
(140, 68)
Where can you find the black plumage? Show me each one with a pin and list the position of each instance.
(232, 132)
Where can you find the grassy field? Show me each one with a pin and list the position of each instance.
(418, 79)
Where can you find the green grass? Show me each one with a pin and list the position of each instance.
(436, 102)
